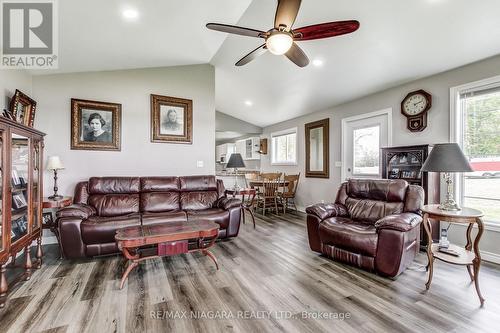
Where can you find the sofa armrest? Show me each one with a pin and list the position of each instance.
(80, 211)
(324, 211)
(227, 203)
(400, 222)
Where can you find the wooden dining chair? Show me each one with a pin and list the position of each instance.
(267, 197)
(290, 189)
(251, 176)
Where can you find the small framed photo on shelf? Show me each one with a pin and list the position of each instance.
(394, 173)
(47, 218)
(16, 181)
(19, 201)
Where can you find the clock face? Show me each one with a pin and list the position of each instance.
(415, 104)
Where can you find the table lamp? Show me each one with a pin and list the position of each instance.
(54, 163)
(235, 161)
(447, 158)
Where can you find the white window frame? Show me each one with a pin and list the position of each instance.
(273, 148)
(456, 132)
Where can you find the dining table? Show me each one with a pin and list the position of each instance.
(260, 183)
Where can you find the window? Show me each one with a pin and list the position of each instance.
(477, 130)
(366, 142)
(284, 147)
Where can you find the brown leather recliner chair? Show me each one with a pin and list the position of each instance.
(103, 205)
(373, 224)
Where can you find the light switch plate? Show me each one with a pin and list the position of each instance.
(199, 164)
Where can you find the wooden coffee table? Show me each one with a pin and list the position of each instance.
(165, 240)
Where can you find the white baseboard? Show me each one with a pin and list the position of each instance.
(491, 257)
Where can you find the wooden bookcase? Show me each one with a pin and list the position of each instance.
(405, 163)
(21, 197)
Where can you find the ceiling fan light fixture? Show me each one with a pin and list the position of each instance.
(279, 43)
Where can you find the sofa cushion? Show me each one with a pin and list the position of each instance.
(216, 215)
(159, 184)
(113, 185)
(198, 183)
(198, 200)
(381, 190)
(349, 235)
(114, 204)
(370, 211)
(156, 202)
(165, 217)
(98, 229)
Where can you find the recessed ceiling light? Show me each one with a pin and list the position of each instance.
(317, 62)
(248, 103)
(130, 14)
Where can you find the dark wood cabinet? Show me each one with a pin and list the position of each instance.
(20, 200)
(405, 163)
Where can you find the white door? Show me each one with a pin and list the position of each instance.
(362, 138)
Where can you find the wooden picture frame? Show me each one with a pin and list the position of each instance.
(87, 134)
(319, 141)
(23, 108)
(171, 119)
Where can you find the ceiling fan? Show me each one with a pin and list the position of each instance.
(281, 39)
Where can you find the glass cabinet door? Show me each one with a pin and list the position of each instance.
(19, 182)
(36, 185)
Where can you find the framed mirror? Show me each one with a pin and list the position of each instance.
(317, 149)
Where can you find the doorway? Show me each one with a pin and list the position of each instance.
(362, 138)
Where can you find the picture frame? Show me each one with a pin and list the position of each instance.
(23, 108)
(7, 114)
(171, 119)
(394, 173)
(95, 125)
(47, 218)
(19, 201)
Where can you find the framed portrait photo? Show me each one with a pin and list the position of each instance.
(95, 125)
(171, 119)
(23, 108)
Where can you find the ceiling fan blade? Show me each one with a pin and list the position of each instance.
(325, 30)
(252, 55)
(232, 29)
(297, 56)
(286, 13)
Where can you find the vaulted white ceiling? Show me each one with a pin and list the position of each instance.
(398, 41)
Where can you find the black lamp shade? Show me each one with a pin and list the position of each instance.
(446, 157)
(235, 161)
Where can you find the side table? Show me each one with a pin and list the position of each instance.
(468, 256)
(55, 204)
(247, 201)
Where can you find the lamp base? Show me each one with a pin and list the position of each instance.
(55, 197)
(449, 205)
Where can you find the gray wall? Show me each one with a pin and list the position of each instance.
(10, 80)
(131, 88)
(315, 190)
(227, 123)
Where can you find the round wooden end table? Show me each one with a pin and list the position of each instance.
(468, 256)
(247, 201)
(55, 204)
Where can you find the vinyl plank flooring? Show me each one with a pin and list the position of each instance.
(269, 281)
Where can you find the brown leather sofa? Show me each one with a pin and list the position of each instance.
(105, 204)
(373, 225)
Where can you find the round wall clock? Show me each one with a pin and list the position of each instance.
(415, 106)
